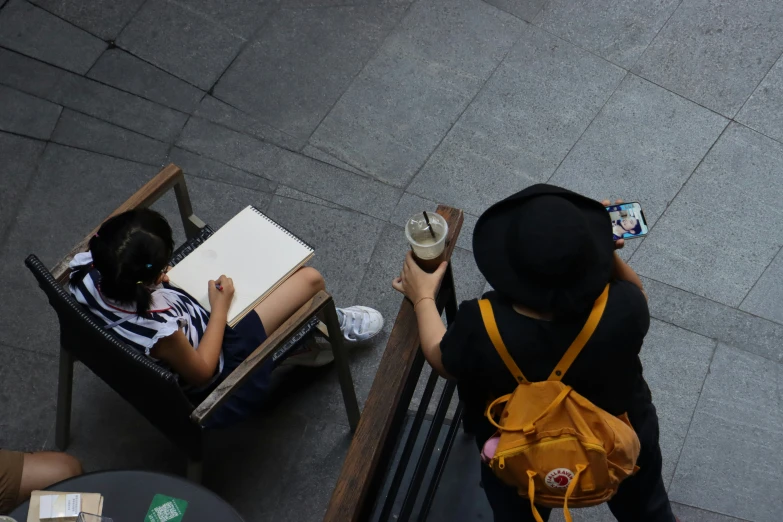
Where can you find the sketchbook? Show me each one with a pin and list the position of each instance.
(253, 250)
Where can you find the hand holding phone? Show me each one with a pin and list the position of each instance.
(628, 220)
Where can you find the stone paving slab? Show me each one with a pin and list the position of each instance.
(767, 294)
(118, 107)
(230, 147)
(185, 43)
(715, 53)
(124, 71)
(338, 186)
(287, 192)
(691, 514)
(715, 320)
(240, 17)
(103, 18)
(27, 115)
(521, 125)
(643, 147)
(243, 466)
(25, 398)
(85, 132)
(309, 483)
(29, 75)
(761, 112)
(36, 33)
(731, 460)
(199, 166)
(399, 108)
(20, 160)
(675, 364)
(294, 72)
(619, 31)
(316, 153)
(216, 111)
(697, 245)
(527, 10)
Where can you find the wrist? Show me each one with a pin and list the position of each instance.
(219, 311)
(421, 300)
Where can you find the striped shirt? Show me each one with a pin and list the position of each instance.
(171, 310)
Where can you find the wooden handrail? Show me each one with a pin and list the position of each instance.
(361, 463)
(170, 177)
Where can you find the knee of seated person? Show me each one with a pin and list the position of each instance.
(65, 466)
(314, 278)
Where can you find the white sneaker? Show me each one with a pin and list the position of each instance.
(359, 323)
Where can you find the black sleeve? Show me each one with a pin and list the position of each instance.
(637, 313)
(457, 352)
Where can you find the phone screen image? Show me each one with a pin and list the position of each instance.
(627, 221)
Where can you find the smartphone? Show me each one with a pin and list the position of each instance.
(628, 221)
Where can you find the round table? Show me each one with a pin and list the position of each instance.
(127, 496)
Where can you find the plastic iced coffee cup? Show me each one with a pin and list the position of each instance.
(428, 242)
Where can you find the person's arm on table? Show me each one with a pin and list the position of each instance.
(421, 287)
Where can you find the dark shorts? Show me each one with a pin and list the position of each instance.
(238, 343)
(11, 464)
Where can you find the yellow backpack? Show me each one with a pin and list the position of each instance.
(556, 447)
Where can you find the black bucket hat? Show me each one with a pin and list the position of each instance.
(546, 248)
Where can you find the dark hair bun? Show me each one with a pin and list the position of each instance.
(130, 251)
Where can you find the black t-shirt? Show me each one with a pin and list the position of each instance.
(607, 372)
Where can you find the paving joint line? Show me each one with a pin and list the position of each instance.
(383, 41)
(28, 350)
(587, 127)
(462, 112)
(5, 232)
(368, 177)
(710, 511)
(693, 413)
(757, 86)
(656, 36)
(756, 282)
(671, 201)
(249, 41)
(248, 115)
(100, 82)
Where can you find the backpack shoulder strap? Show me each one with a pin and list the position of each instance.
(491, 325)
(582, 338)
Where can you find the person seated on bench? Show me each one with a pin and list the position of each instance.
(23, 473)
(122, 280)
(548, 253)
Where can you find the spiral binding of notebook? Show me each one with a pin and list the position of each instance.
(281, 227)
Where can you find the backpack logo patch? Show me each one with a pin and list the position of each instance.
(559, 478)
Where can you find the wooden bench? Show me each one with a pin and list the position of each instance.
(369, 456)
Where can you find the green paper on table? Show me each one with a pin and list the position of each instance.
(166, 509)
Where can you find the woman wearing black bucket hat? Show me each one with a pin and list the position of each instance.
(548, 253)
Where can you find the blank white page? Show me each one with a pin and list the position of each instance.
(257, 253)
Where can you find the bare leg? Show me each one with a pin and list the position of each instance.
(45, 468)
(289, 297)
